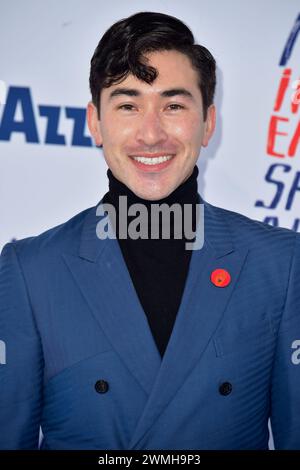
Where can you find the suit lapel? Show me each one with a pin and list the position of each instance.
(198, 317)
(102, 276)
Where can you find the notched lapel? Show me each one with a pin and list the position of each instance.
(199, 315)
(102, 276)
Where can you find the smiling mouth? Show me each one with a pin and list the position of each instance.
(147, 160)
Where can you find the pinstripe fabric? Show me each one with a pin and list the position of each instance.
(69, 316)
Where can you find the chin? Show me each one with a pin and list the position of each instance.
(155, 196)
(151, 192)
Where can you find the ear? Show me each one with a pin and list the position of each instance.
(209, 124)
(94, 123)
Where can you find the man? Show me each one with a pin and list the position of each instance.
(139, 343)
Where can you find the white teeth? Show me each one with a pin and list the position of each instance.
(153, 161)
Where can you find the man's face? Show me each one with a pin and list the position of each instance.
(142, 120)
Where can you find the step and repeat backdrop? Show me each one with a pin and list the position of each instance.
(49, 167)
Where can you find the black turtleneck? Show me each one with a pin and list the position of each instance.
(158, 267)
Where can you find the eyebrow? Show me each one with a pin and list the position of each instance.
(165, 94)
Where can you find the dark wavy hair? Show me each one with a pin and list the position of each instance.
(121, 48)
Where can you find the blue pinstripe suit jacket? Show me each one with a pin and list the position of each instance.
(70, 317)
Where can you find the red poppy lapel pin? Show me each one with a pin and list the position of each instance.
(220, 277)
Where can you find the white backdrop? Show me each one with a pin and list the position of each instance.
(45, 51)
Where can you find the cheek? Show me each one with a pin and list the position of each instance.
(117, 133)
(187, 130)
(196, 126)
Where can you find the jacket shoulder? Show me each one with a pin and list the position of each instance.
(53, 240)
(242, 225)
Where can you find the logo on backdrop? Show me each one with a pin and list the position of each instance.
(18, 101)
(283, 139)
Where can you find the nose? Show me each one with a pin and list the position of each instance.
(150, 129)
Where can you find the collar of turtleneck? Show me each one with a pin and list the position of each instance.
(185, 193)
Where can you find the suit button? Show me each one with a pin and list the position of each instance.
(225, 388)
(101, 386)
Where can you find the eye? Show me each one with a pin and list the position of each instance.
(177, 106)
(127, 107)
